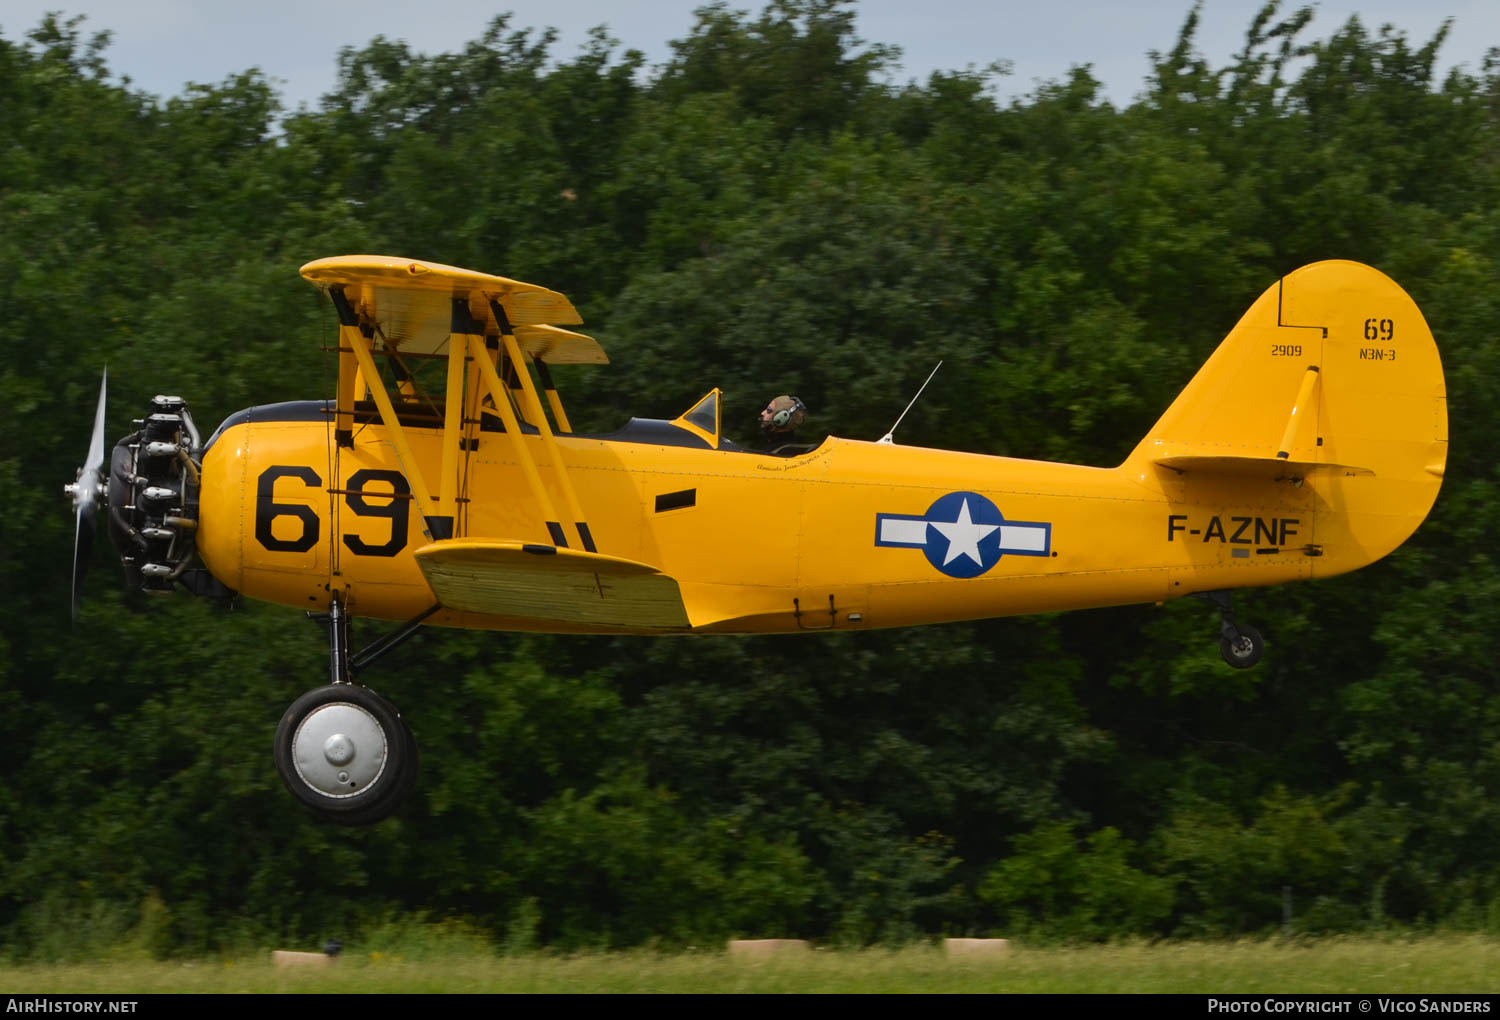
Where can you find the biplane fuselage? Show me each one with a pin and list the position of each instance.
(1294, 454)
(847, 535)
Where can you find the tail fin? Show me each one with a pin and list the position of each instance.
(1331, 379)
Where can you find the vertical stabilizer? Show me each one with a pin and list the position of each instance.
(1331, 380)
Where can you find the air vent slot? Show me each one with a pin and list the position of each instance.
(676, 500)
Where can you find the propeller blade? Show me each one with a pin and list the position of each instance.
(92, 466)
(83, 544)
(86, 498)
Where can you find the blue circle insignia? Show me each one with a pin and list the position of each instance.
(963, 534)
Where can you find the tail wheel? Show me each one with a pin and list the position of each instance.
(1244, 649)
(346, 753)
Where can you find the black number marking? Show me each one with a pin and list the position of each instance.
(267, 510)
(1286, 350)
(397, 511)
(1380, 329)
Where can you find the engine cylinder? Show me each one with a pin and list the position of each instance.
(153, 496)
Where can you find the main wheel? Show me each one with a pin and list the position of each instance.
(1243, 651)
(346, 753)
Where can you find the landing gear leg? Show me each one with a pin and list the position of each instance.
(338, 642)
(1239, 643)
(343, 750)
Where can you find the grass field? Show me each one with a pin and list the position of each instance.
(1457, 964)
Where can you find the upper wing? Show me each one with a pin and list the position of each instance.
(410, 303)
(560, 346)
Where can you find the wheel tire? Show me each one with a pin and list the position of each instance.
(346, 753)
(1244, 651)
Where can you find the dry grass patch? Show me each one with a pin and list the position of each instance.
(1456, 964)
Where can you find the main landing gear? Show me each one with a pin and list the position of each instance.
(343, 750)
(1239, 643)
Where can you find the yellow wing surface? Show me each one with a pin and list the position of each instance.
(551, 585)
(410, 304)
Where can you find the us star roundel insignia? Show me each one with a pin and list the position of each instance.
(963, 534)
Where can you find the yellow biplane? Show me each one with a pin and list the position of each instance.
(1311, 443)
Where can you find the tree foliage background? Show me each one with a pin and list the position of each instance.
(768, 211)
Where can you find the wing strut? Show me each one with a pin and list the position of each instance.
(434, 525)
(453, 420)
(344, 395)
(496, 387)
(508, 337)
(552, 397)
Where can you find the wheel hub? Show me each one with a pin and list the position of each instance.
(339, 750)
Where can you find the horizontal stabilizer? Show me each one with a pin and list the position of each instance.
(1267, 467)
(545, 583)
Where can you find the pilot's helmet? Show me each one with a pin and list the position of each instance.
(783, 414)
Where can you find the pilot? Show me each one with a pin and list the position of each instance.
(779, 421)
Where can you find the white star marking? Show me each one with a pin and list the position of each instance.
(963, 536)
